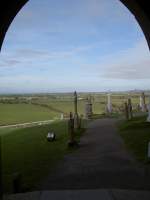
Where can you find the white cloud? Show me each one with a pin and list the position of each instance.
(134, 63)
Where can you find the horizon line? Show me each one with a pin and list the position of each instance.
(68, 92)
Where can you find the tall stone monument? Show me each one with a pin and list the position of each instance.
(109, 104)
(142, 102)
(88, 108)
(76, 118)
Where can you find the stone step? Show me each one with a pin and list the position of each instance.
(96, 194)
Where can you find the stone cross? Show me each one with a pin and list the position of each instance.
(148, 118)
(109, 105)
(76, 118)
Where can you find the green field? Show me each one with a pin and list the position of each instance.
(67, 107)
(20, 113)
(21, 109)
(28, 152)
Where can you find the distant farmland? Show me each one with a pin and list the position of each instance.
(21, 109)
(21, 113)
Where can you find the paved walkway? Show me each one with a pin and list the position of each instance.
(101, 161)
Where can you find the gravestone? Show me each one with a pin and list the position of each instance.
(138, 108)
(109, 105)
(62, 116)
(88, 109)
(142, 102)
(76, 118)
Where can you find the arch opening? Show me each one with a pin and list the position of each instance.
(57, 109)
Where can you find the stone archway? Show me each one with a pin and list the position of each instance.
(140, 9)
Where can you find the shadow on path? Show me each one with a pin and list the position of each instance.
(101, 162)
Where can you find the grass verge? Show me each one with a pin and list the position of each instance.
(136, 135)
(27, 151)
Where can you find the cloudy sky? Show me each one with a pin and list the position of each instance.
(67, 45)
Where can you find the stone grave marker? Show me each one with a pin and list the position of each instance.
(109, 104)
(76, 118)
(142, 102)
(62, 116)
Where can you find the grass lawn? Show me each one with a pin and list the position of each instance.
(136, 135)
(21, 113)
(28, 152)
(68, 107)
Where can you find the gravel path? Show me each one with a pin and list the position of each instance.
(101, 161)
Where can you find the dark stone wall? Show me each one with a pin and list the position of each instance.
(139, 8)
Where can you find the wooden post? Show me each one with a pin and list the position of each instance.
(71, 132)
(71, 129)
